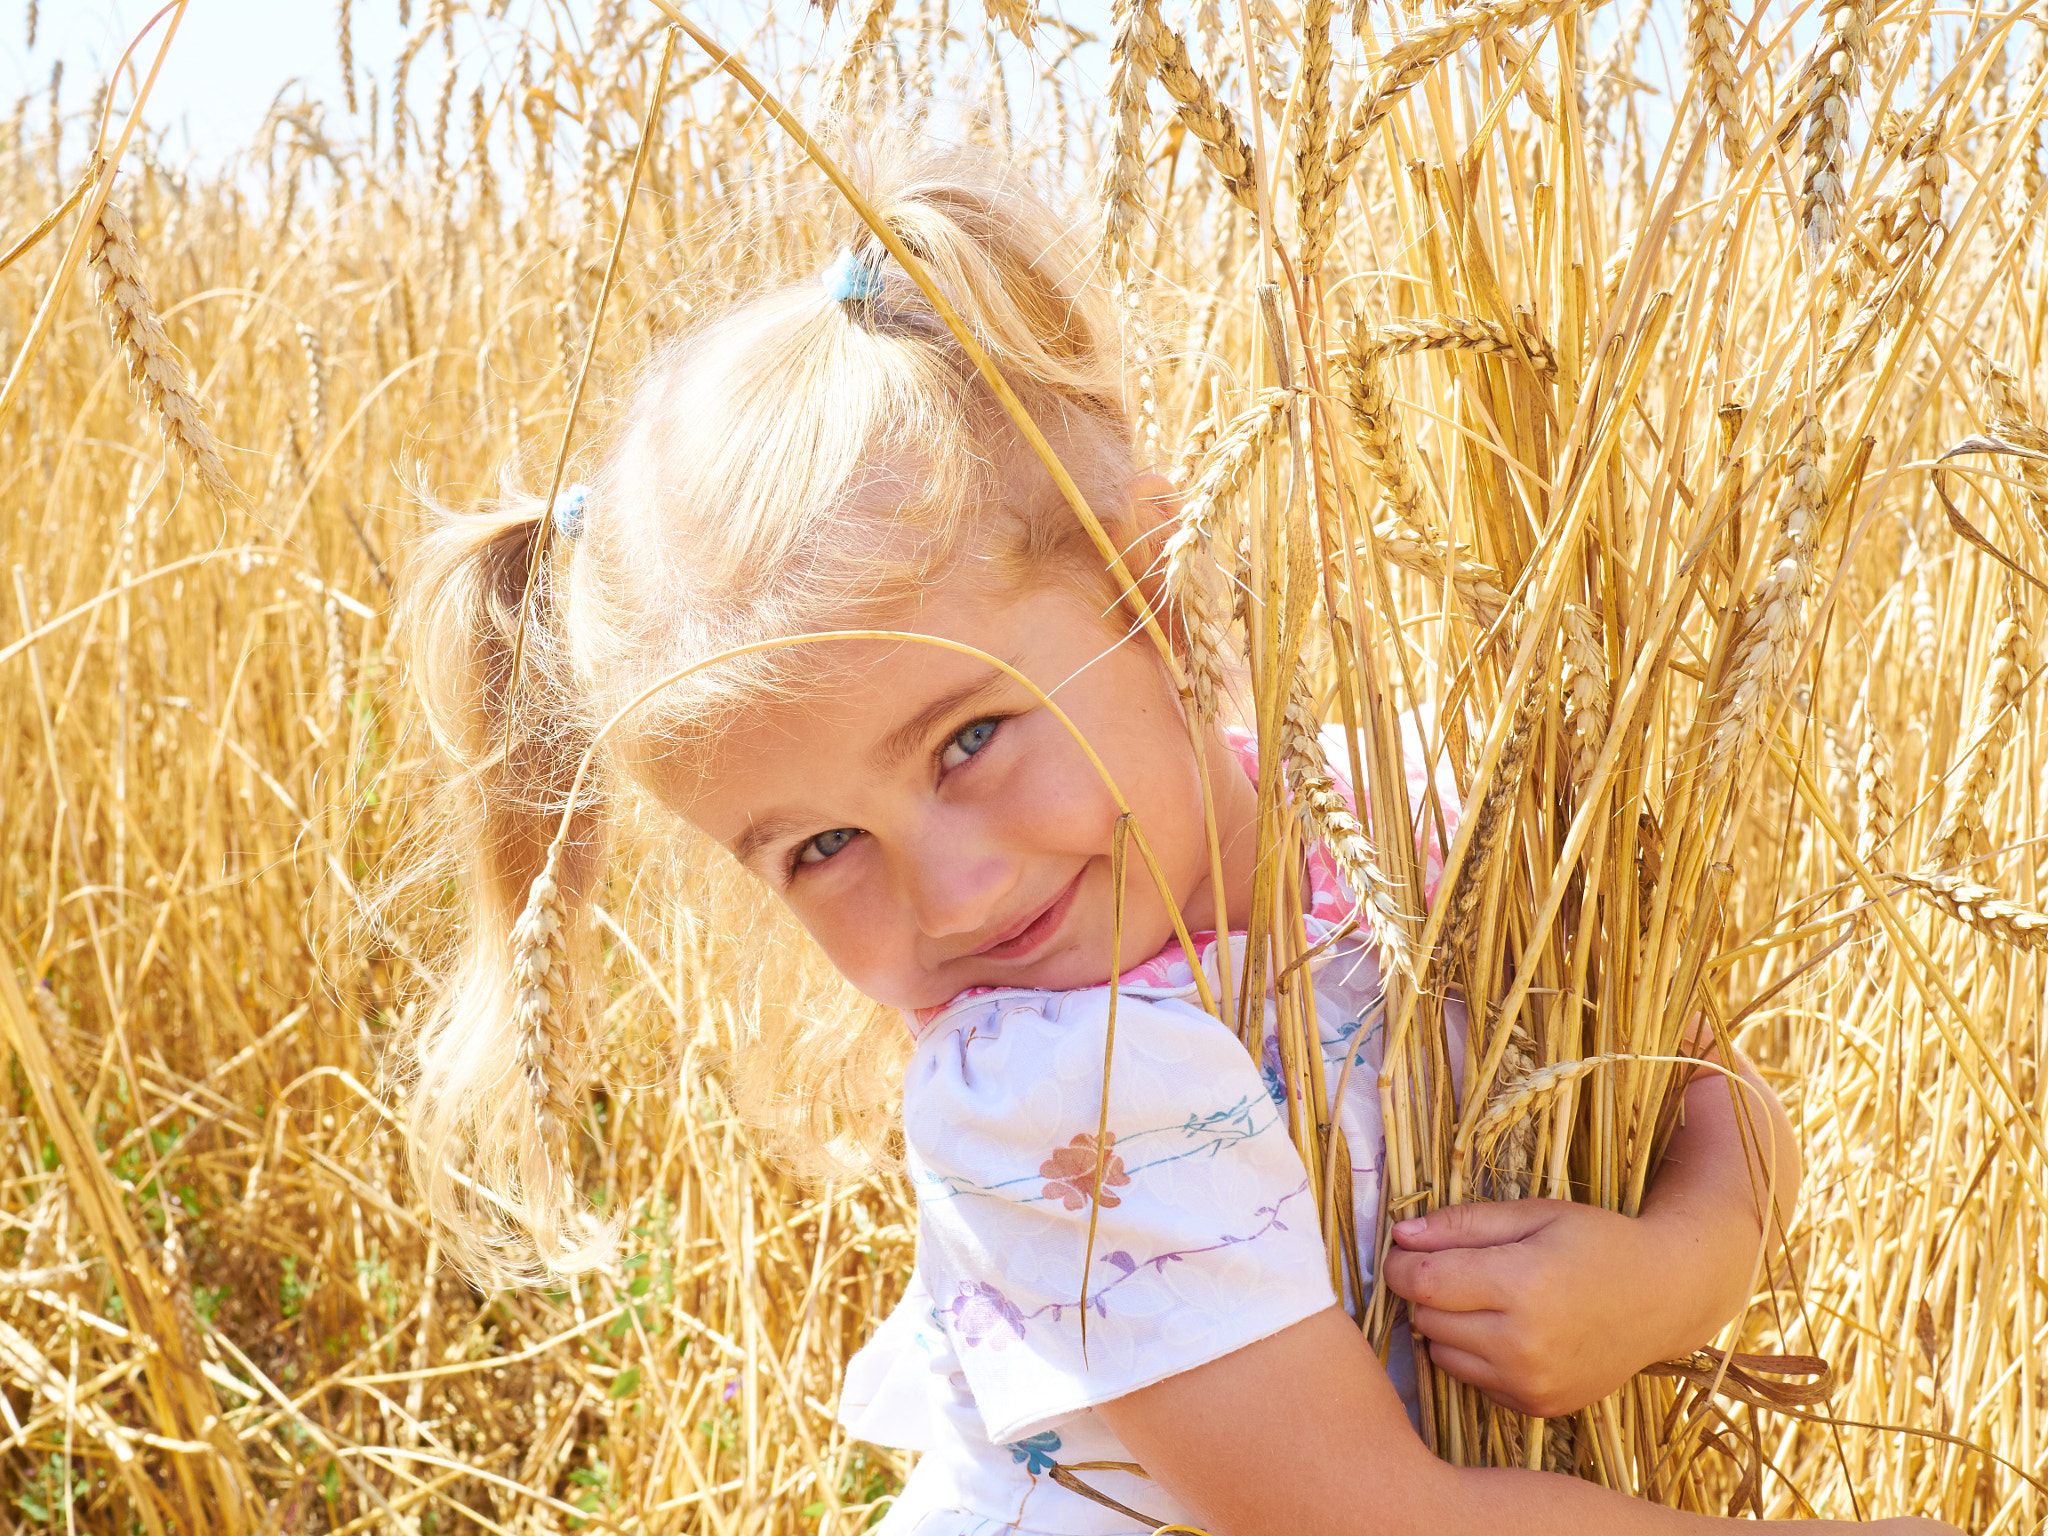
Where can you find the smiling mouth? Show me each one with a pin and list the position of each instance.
(1034, 932)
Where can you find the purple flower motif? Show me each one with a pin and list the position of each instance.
(732, 1390)
(981, 1311)
(1120, 1260)
(1269, 1071)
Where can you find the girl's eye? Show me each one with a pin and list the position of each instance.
(968, 742)
(825, 844)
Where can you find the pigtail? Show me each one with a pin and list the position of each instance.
(498, 1064)
(1017, 274)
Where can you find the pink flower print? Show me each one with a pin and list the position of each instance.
(1069, 1173)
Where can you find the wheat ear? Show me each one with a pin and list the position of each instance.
(344, 48)
(1312, 132)
(1710, 46)
(1131, 65)
(1402, 65)
(540, 1006)
(1189, 555)
(853, 59)
(1776, 618)
(1385, 447)
(1478, 586)
(1831, 82)
(1020, 16)
(1997, 700)
(1212, 123)
(1913, 226)
(1518, 1149)
(1445, 333)
(153, 364)
(1982, 908)
(1328, 820)
(1491, 823)
(1875, 800)
(1528, 1095)
(1586, 704)
(2005, 413)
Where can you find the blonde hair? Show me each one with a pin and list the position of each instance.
(799, 463)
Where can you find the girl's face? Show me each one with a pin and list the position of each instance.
(935, 826)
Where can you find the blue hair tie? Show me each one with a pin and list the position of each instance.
(568, 510)
(850, 278)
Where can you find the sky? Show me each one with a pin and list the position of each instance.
(234, 58)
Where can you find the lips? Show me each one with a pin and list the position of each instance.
(1034, 931)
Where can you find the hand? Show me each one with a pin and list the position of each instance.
(1544, 1305)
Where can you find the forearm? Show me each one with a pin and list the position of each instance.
(1721, 1199)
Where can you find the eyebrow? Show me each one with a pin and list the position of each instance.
(769, 829)
(893, 748)
(912, 733)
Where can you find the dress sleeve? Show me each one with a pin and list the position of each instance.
(1205, 1235)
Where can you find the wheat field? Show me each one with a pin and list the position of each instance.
(1582, 375)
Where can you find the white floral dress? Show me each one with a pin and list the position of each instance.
(1205, 1240)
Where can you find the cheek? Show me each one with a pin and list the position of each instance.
(865, 931)
(851, 930)
(1055, 800)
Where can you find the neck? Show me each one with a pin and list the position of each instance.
(1236, 799)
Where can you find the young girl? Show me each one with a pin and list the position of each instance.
(1141, 1293)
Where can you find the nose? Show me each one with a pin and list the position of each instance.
(953, 881)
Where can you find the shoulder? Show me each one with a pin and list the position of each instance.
(1002, 1077)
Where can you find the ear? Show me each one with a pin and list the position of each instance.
(1151, 513)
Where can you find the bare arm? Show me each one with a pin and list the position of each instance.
(1723, 1195)
(1301, 1434)
(1545, 1305)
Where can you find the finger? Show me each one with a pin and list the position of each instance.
(1476, 1333)
(1477, 1224)
(1455, 1280)
(1474, 1370)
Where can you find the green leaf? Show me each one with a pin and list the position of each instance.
(626, 1383)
